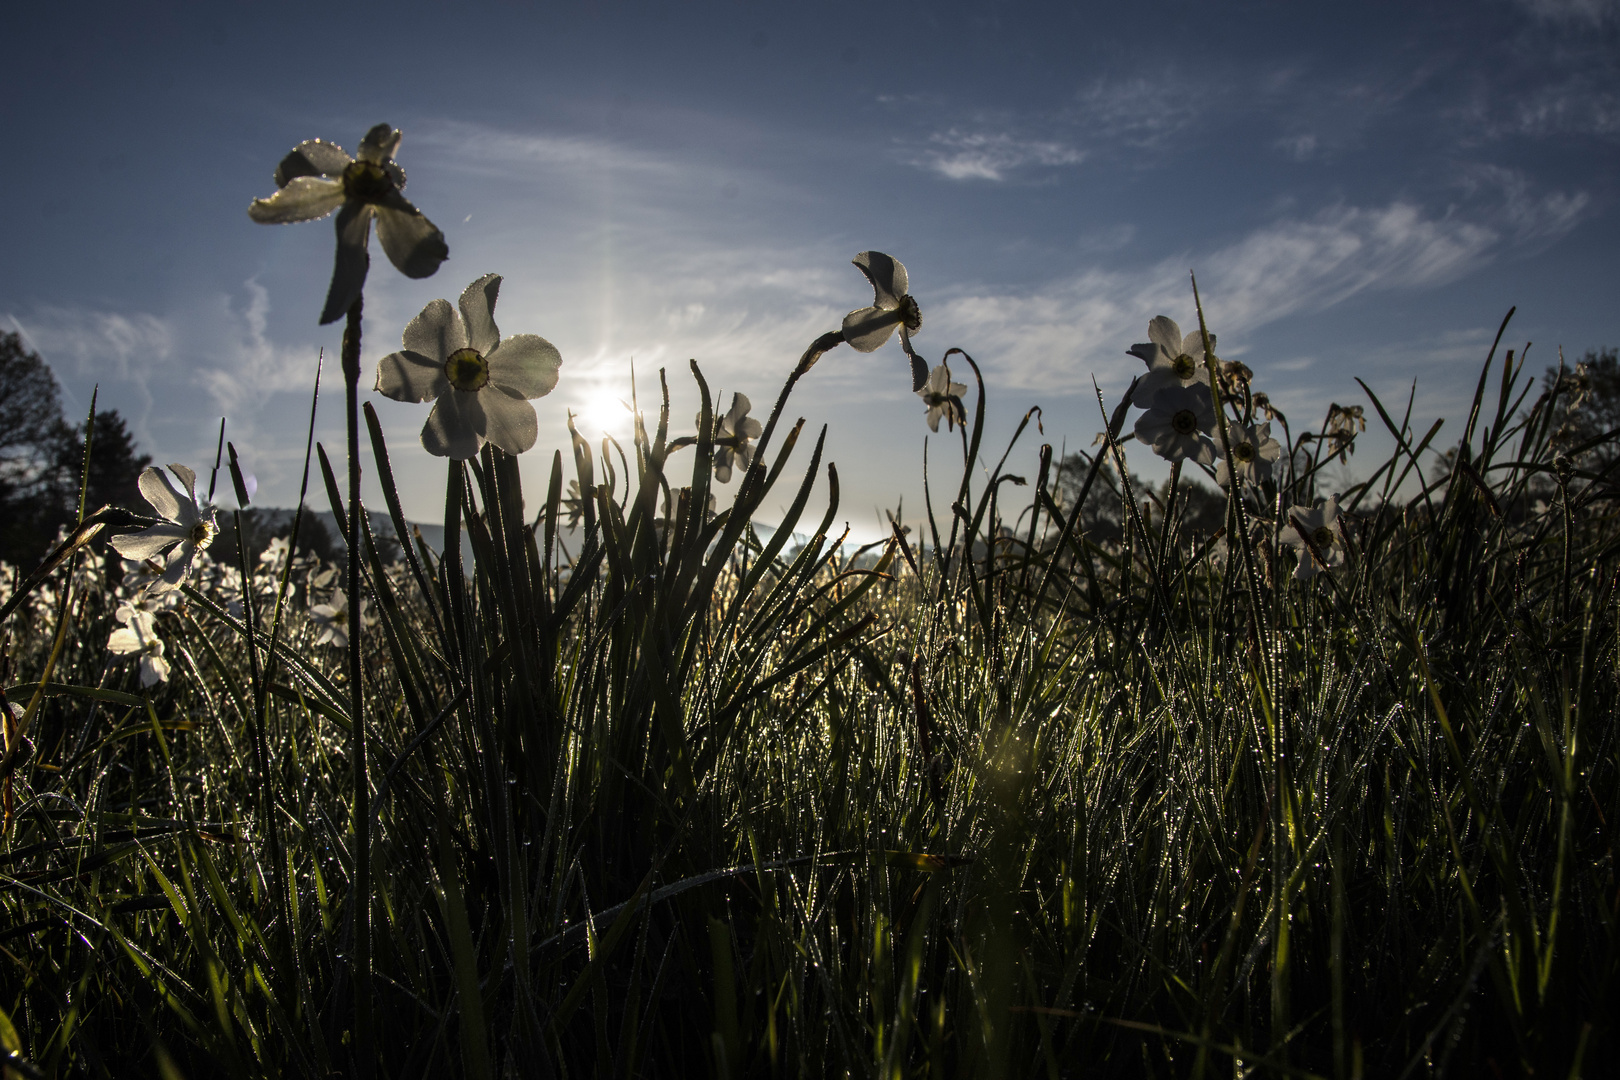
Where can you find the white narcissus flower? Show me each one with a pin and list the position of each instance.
(478, 383)
(1253, 451)
(185, 530)
(318, 177)
(731, 438)
(869, 328)
(1172, 359)
(1179, 424)
(943, 398)
(139, 638)
(1321, 527)
(275, 554)
(332, 620)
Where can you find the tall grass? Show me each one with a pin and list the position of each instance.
(687, 797)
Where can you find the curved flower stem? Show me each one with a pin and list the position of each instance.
(826, 342)
(360, 962)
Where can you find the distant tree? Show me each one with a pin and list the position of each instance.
(42, 457)
(30, 413)
(115, 463)
(1589, 393)
(1201, 508)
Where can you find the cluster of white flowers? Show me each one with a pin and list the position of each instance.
(159, 559)
(1180, 423)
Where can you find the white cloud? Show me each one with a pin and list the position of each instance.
(479, 149)
(1054, 337)
(978, 155)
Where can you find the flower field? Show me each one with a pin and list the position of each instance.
(1061, 783)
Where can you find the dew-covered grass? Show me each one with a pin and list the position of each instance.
(668, 796)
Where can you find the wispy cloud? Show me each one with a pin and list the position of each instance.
(480, 149)
(103, 346)
(1587, 12)
(1053, 337)
(1139, 114)
(982, 155)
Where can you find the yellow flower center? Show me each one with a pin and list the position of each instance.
(1323, 537)
(1184, 422)
(366, 181)
(202, 534)
(1185, 366)
(1243, 452)
(467, 370)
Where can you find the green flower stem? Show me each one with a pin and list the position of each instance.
(360, 957)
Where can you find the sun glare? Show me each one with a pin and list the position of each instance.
(603, 412)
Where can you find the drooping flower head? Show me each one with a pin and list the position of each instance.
(1315, 534)
(943, 398)
(732, 437)
(1253, 451)
(185, 528)
(318, 177)
(869, 328)
(478, 383)
(1172, 360)
(1179, 424)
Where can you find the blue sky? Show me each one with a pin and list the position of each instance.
(1363, 190)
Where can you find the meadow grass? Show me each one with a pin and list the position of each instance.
(672, 796)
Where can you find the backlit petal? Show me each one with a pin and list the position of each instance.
(887, 275)
(305, 198)
(410, 376)
(148, 543)
(436, 332)
(352, 261)
(478, 311)
(188, 485)
(1164, 333)
(509, 420)
(869, 328)
(453, 427)
(525, 364)
(380, 144)
(312, 157)
(159, 490)
(413, 243)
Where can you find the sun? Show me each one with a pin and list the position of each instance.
(603, 412)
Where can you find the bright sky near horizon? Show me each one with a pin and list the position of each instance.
(1362, 189)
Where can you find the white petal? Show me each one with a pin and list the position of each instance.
(453, 427)
(478, 311)
(525, 364)
(887, 275)
(312, 157)
(351, 263)
(410, 376)
(436, 332)
(868, 329)
(125, 641)
(159, 490)
(1164, 333)
(154, 669)
(414, 244)
(149, 543)
(509, 420)
(188, 487)
(305, 198)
